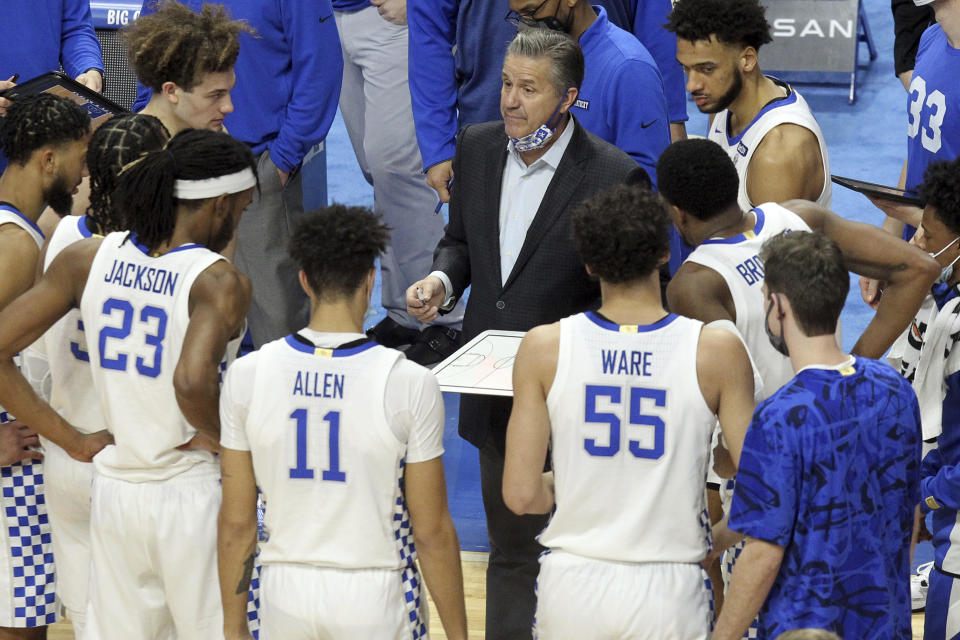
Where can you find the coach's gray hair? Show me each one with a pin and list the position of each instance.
(564, 54)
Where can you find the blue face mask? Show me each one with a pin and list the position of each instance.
(539, 137)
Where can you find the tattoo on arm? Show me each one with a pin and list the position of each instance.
(244, 584)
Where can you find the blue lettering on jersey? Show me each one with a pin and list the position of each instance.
(617, 362)
(309, 385)
(742, 149)
(142, 277)
(751, 270)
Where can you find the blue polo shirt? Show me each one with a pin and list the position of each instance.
(933, 107)
(621, 99)
(830, 470)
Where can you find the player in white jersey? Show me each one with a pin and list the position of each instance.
(342, 436)
(763, 124)
(722, 278)
(159, 308)
(67, 481)
(625, 398)
(45, 139)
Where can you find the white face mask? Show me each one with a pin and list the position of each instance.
(947, 272)
(539, 137)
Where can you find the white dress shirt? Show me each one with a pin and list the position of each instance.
(521, 193)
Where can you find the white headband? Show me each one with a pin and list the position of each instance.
(213, 187)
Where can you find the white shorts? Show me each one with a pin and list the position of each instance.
(27, 575)
(154, 558)
(581, 597)
(67, 487)
(306, 602)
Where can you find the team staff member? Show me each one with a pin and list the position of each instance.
(764, 125)
(288, 85)
(621, 99)
(46, 35)
(452, 91)
(829, 472)
(518, 181)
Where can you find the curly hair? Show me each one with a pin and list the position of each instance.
(118, 142)
(697, 176)
(941, 190)
(144, 193)
(622, 233)
(336, 247)
(733, 22)
(807, 267)
(177, 44)
(37, 121)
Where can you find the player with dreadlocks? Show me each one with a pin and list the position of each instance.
(45, 139)
(116, 143)
(186, 58)
(160, 308)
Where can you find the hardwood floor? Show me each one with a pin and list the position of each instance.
(474, 584)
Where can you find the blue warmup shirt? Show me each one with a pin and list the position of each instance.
(41, 35)
(456, 57)
(280, 106)
(350, 5)
(933, 107)
(830, 470)
(621, 99)
(941, 466)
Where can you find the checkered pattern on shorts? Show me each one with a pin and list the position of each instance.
(403, 534)
(28, 534)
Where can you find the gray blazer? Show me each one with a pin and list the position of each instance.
(548, 281)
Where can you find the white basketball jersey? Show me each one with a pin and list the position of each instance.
(72, 393)
(327, 461)
(630, 438)
(135, 315)
(737, 260)
(10, 215)
(793, 110)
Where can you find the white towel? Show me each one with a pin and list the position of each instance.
(929, 380)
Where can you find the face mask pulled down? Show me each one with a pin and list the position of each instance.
(777, 342)
(947, 272)
(539, 137)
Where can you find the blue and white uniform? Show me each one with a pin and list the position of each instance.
(933, 107)
(154, 506)
(830, 470)
(331, 420)
(68, 481)
(933, 336)
(27, 576)
(792, 109)
(630, 440)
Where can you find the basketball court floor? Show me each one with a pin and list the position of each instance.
(866, 140)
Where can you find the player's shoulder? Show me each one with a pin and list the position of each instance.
(699, 291)
(783, 144)
(930, 35)
(221, 278)
(245, 367)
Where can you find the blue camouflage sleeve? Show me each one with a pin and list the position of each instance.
(767, 483)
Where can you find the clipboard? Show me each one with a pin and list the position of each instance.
(483, 366)
(878, 190)
(58, 83)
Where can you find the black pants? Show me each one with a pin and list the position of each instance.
(513, 567)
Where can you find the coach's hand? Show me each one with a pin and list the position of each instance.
(871, 290)
(4, 85)
(394, 11)
(424, 298)
(90, 445)
(15, 437)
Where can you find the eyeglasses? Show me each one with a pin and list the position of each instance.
(527, 18)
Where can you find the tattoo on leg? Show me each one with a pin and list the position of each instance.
(244, 584)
